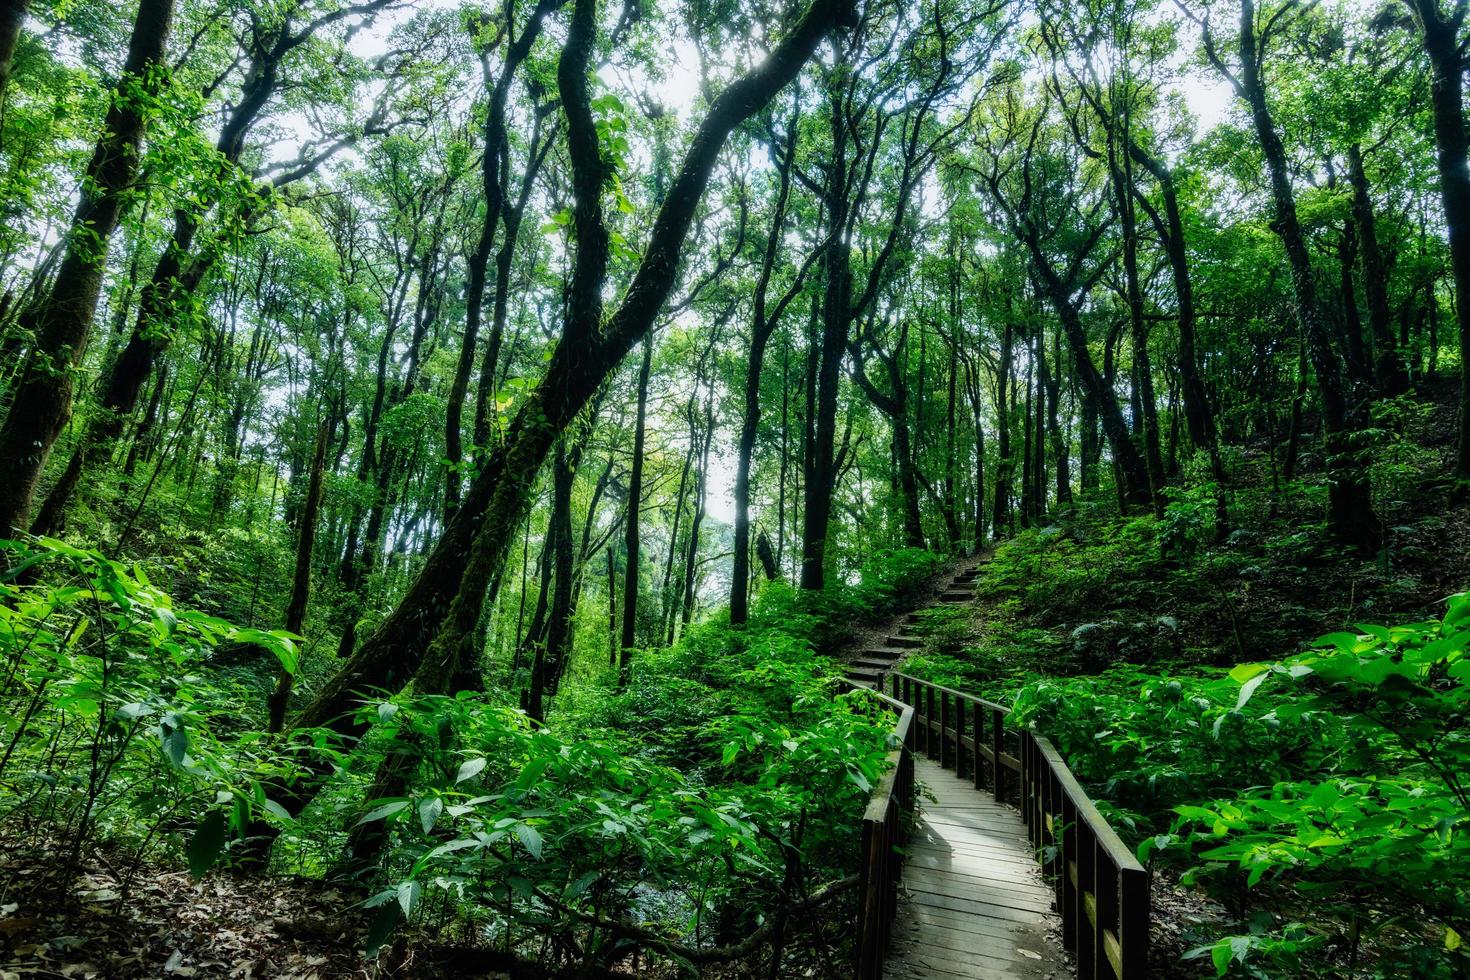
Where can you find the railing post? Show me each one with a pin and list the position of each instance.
(1089, 932)
(977, 738)
(1025, 794)
(945, 758)
(931, 744)
(906, 772)
(1134, 902)
(870, 941)
(1066, 884)
(998, 746)
(960, 759)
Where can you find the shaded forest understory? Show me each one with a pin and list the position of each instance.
(449, 451)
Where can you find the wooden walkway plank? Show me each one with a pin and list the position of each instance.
(974, 904)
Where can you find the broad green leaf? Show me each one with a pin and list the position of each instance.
(207, 845)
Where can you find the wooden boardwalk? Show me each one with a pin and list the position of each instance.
(973, 902)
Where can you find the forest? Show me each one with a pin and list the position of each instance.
(495, 488)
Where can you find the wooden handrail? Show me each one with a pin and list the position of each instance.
(884, 831)
(1102, 891)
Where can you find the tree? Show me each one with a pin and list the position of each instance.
(1439, 33)
(423, 638)
(1350, 505)
(62, 320)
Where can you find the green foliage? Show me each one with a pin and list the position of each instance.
(1335, 777)
(114, 721)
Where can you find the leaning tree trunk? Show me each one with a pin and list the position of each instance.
(63, 320)
(421, 639)
(1135, 484)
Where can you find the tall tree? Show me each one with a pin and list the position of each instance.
(62, 320)
(1350, 503)
(423, 637)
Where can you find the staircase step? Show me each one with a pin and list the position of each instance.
(903, 642)
(874, 663)
(957, 596)
(966, 578)
(863, 674)
(890, 653)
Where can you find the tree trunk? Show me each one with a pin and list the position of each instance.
(301, 582)
(62, 322)
(761, 328)
(972, 384)
(1000, 516)
(1135, 485)
(1052, 385)
(1350, 505)
(551, 657)
(12, 16)
(1146, 418)
(1440, 37)
(1388, 365)
(632, 529)
(1197, 411)
(836, 321)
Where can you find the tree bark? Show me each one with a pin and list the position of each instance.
(763, 324)
(12, 16)
(631, 541)
(1000, 516)
(493, 186)
(1388, 365)
(301, 581)
(63, 321)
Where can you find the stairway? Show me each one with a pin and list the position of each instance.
(875, 659)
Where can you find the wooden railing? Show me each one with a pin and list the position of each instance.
(1102, 890)
(885, 830)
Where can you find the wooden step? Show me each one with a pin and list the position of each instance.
(902, 642)
(958, 595)
(877, 663)
(864, 674)
(891, 653)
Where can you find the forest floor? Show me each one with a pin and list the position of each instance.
(111, 919)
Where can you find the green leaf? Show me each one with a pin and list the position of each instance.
(383, 812)
(429, 811)
(176, 746)
(1220, 956)
(409, 893)
(529, 839)
(1244, 672)
(469, 769)
(1249, 688)
(382, 926)
(276, 810)
(208, 843)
